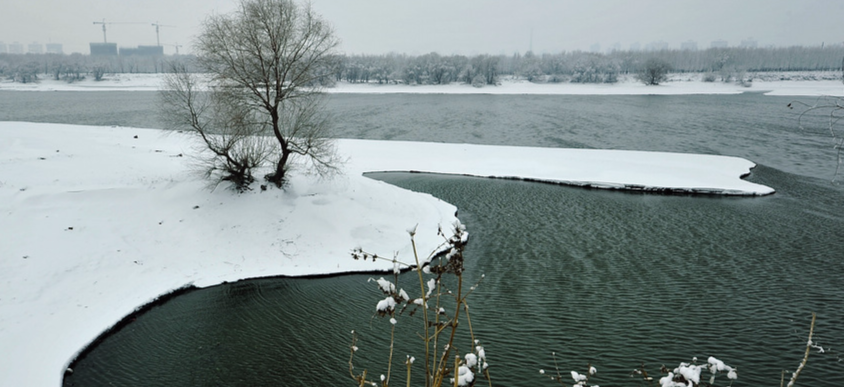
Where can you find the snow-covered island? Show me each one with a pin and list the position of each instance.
(98, 221)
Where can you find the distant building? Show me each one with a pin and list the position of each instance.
(35, 48)
(142, 51)
(595, 47)
(3, 48)
(749, 43)
(54, 48)
(689, 45)
(103, 49)
(718, 44)
(16, 48)
(658, 45)
(615, 47)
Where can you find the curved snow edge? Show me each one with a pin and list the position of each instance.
(440, 251)
(636, 188)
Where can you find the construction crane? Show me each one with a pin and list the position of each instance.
(176, 46)
(104, 26)
(157, 40)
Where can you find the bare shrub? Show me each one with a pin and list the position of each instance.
(233, 140)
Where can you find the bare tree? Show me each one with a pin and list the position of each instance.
(265, 63)
(653, 71)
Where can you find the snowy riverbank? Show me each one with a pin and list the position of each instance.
(97, 222)
(783, 84)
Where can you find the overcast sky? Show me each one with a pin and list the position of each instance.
(449, 26)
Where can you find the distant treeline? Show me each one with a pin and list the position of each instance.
(435, 69)
(582, 67)
(75, 67)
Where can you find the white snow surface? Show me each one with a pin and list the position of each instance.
(810, 83)
(96, 223)
(110, 82)
(465, 376)
(471, 360)
(577, 377)
(609, 169)
(690, 372)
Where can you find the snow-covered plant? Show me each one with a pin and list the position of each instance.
(577, 379)
(689, 374)
(440, 308)
(685, 375)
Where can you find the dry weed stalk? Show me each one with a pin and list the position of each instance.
(809, 345)
(438, 327)
(832, 110)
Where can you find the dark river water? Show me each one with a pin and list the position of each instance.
(607, 278)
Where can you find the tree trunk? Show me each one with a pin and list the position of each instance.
(277, 177)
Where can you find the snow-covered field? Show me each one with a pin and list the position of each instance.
(787, 83)
(97, 221)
